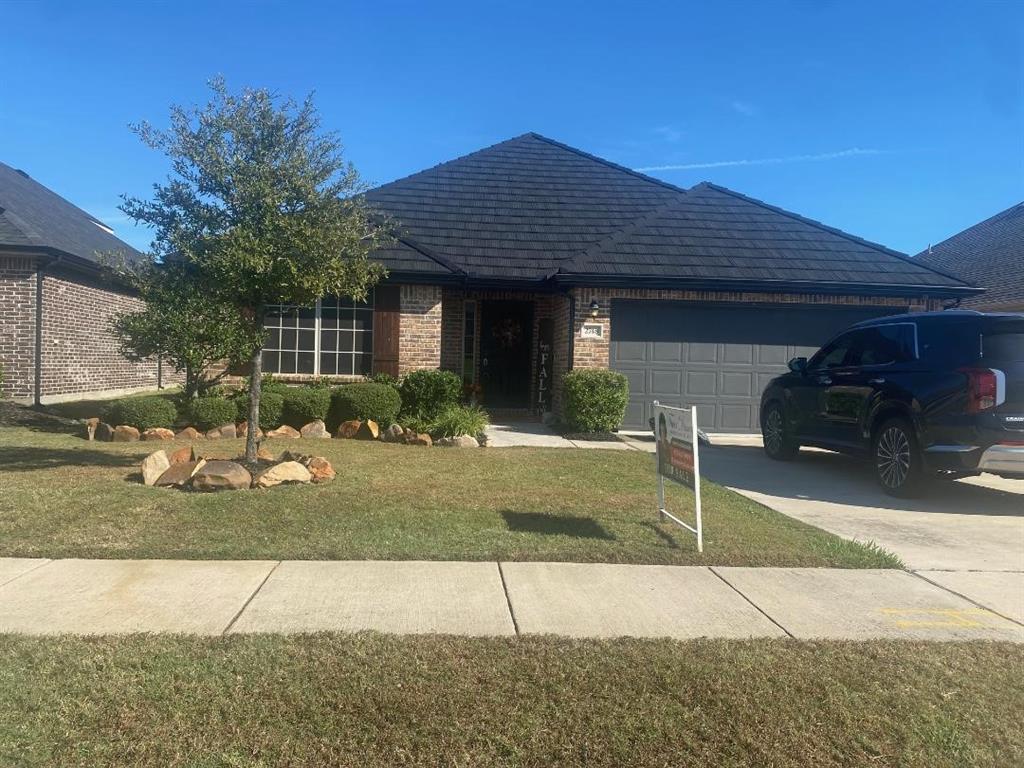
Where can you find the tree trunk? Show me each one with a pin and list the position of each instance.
(255, 384)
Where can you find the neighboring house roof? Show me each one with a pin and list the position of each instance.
(531, 209)
(34, 217)
(990, 254)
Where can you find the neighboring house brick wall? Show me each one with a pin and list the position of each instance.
(419, 330)
(17, 326)
(594, 353)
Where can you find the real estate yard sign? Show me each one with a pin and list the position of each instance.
(675, 433)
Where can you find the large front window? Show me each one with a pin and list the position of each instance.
(333, 338)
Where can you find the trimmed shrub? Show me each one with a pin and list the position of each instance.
(595, 399)
(428, 393)
(305, 404)
(210, 412)
(271, 410)
(364, 400)
(460, 420)
(386, 378)
(142, 412)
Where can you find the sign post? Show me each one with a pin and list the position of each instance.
(676, 438)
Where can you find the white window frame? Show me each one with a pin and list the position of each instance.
(317, 341)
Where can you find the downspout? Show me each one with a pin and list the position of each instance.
(40, 277)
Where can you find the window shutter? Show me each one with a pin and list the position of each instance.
(386, 314)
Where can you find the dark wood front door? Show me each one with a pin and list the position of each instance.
(506, 335)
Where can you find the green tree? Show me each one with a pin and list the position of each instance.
(263, 207)
(180, 323)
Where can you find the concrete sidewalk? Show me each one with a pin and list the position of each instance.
(488, 599)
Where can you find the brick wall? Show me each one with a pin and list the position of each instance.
(17, 325)
(594, 353)
(419, 330)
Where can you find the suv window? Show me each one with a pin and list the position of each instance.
(1003, 341)
(886, 344)
(833, 354)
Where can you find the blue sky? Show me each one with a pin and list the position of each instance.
(900, 122)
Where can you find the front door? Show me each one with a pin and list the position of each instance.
(506, 335)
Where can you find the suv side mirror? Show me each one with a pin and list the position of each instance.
(798, 364)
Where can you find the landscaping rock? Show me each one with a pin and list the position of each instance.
(263, 454)
(104, 432)
(320, 469)
(189, 433)
(225, 432)
(90, 428)
(220, 475)
(153, 466)
(182, 455)
(242, 430)
(420, 439)
(393, 434)
(462, 441)
(284, 431)
(285, 472)
(179, 474)
(125, 434)
(348, 429)
(315, 429)
(368, 430)
(302, 458)
(158, 433)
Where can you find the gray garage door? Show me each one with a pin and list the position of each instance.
(717, 357)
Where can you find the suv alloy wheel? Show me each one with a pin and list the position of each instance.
(897, 459)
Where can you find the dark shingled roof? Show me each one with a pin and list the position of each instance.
(531, 208)
(32, 216)
(989, 254)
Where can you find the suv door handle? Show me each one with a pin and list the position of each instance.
(824, 380)
(878, 380)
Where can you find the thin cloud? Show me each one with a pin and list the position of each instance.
(668, 133)
(745, 108)
(843, 153)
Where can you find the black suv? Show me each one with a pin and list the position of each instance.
(926, 394)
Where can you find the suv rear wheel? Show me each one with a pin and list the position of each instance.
(897, 459)
(778, 443)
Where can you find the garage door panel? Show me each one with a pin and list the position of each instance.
(717, 357)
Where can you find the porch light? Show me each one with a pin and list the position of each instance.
(595, 307)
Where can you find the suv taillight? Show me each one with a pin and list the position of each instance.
(982, 388)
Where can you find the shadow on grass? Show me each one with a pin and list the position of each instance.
(38, 420)
(31, 459)
(555, 525)
(663, 535)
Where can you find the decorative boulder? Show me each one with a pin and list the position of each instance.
(262, 454)
(104, 432)
(153, 466)
(278, 474)
(221, 475)
(348, 429)
(178, 475)
(393, 434)
(315, 429)
(90, 428)
(320, 469)
(158, 433)
(125, 434)
(284, 431)
(225, 432)
(302, 458)
(368, 430)
(420, 439)
(242, 430)
(189, 433)
(182, 455)
(462, 441)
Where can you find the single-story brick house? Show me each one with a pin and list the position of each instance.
(55, 303)
(525, 259)
(990, 255)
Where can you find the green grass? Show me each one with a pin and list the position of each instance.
(374, 700)
(65, 497)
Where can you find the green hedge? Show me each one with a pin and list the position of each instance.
(142, 412)
(210, 412)
(426, 394)
(595, 399)
(364, 400)
(305, 404)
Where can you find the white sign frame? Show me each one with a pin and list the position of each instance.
(683, 420)
(592, 331)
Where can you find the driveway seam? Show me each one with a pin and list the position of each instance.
(508, 600)
(46, 561)
(756, 606)
(965, 597)
(251, 597)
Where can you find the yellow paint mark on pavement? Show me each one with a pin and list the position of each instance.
(941, 618)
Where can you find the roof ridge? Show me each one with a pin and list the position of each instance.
(1016, 207)
(834, 230)
(603, 161)
(429, 253)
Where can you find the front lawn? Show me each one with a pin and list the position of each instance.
(373, 700)
(65, 497)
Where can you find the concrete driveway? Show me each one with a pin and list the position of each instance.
(975, 524)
